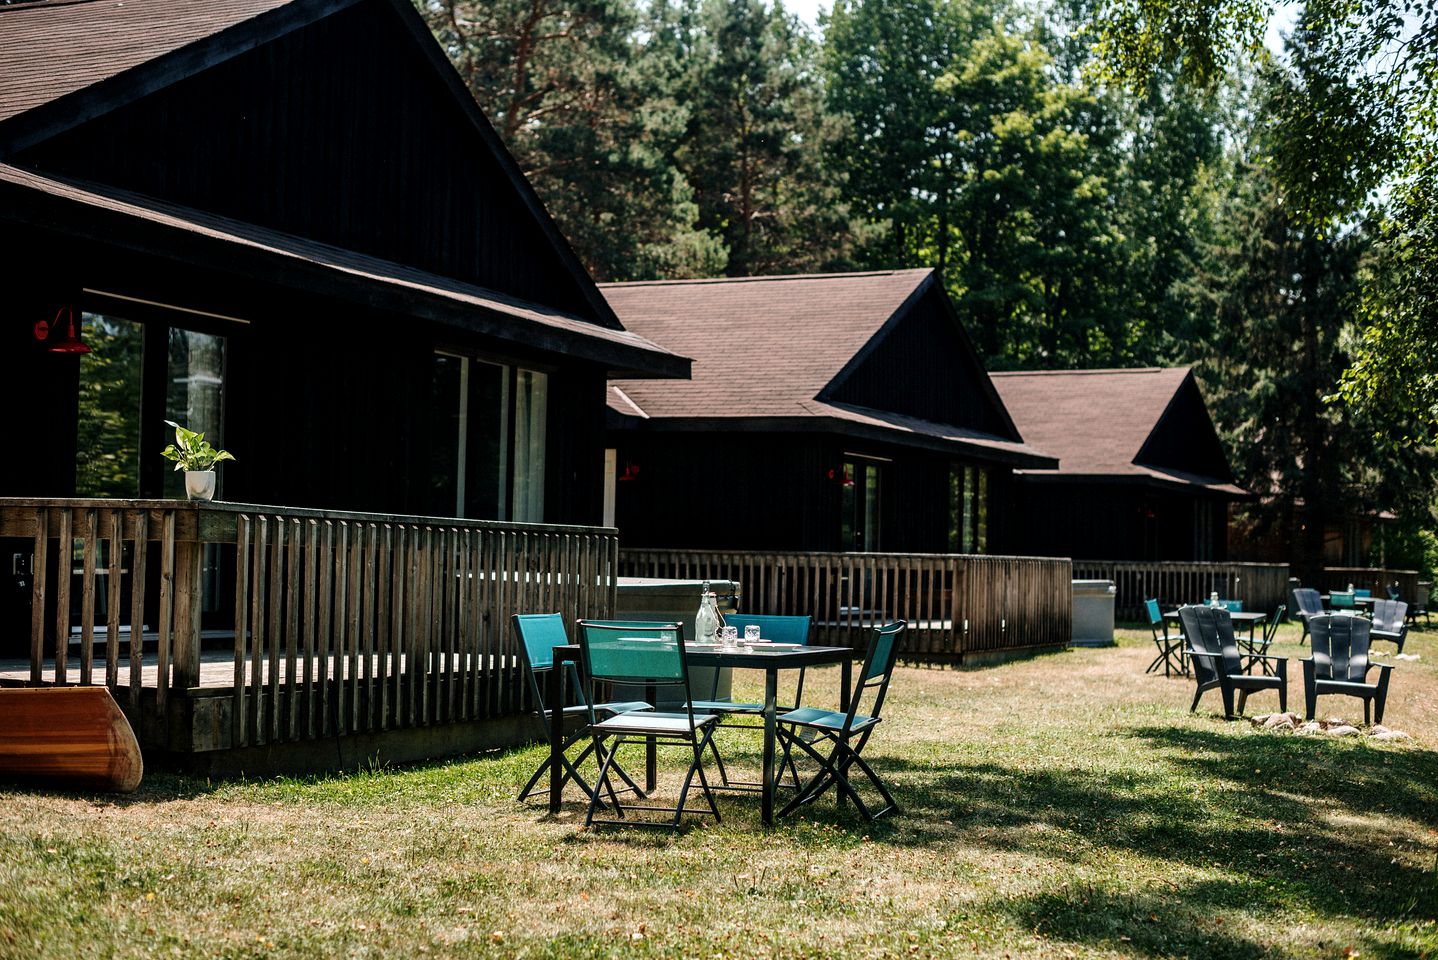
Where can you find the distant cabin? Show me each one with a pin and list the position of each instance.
(289, 225)
(827, 412)
(1141, 472)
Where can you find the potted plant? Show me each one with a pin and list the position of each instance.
(194, 455)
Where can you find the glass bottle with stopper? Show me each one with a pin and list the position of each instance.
(707, 621)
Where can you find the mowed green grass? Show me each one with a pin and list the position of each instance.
(1064, 806)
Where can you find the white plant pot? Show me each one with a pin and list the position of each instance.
(200, 484)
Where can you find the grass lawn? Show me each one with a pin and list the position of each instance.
(1065, 806)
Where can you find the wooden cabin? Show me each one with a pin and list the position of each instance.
(285, 223)
(289, 225)
(1141, 472)
(828, 412)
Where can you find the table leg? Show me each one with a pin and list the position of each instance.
(555, 693)
(846, 683)
(771, 727)
(651, 748)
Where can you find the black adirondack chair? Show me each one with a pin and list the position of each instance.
(1390, 621)
(1340, 665)
(1307, 602)
(1217, 662)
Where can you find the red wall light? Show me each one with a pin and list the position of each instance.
(69, 342)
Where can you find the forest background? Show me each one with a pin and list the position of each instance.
(1102, 183)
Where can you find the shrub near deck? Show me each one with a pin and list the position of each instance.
(1062, 806)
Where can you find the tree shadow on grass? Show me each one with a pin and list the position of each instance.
(1192, 921)
(1283, 816)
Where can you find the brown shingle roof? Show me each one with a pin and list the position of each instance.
(1095, 421)
(194, 225)
(762, 346)
(49, 49)
(766, 347)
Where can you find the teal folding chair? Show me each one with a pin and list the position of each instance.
(840, 737)
(538, 635)
(1342, 599)
(1232, 606)
(650, 656)
(1170, 646)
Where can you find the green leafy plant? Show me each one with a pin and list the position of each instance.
(191, 451)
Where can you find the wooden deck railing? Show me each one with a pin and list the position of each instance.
(956, 605)
(1261, 586)
(331, 623)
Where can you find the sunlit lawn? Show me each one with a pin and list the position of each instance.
(1061, 806)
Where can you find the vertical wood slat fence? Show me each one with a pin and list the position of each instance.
(342, 622)
(956, 605)
(1261, 586)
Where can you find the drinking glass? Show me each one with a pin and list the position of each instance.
(731, 636)
(751, 633)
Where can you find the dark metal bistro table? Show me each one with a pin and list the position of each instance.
(1248, 618)
(771, 662)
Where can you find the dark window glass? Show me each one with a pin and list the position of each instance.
(194, 393)
(107, 441)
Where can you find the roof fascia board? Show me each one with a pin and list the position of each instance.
(445, 71)
(75, 108)
(834, 425)
(103, 226)
(1050, 477)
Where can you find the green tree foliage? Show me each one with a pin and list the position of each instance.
(1062, 216)
(1367, 118)
(585, 99)
(1286, 296)
(753, 148)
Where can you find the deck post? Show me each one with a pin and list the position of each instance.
(188, 587)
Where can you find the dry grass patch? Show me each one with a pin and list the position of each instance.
(1062, 806)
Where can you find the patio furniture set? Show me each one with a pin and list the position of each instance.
(632, 682)
(1221, 659)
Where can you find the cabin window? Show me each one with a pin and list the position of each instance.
(194, 392)
(107, 433)
(862, 490)
(488, 439)
(968, 509)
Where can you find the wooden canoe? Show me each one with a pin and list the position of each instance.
(67, 737)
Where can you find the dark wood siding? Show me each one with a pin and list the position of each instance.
(923, 368)
(1112, 521)
(339, 132)
(1184, 437)
(326, 405)
(763, 491)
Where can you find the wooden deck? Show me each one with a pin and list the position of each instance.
(217, 670)
(221, 626)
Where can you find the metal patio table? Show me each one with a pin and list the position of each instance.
(771, 662)
(1248, 618)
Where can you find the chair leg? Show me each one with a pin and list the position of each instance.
(890, 804)
(1196, 695)
(1242, 701)
(718, 762)
(1283, 696)
(1381, 697)
(1367, 704)
(606, 760)
(1227, 693)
